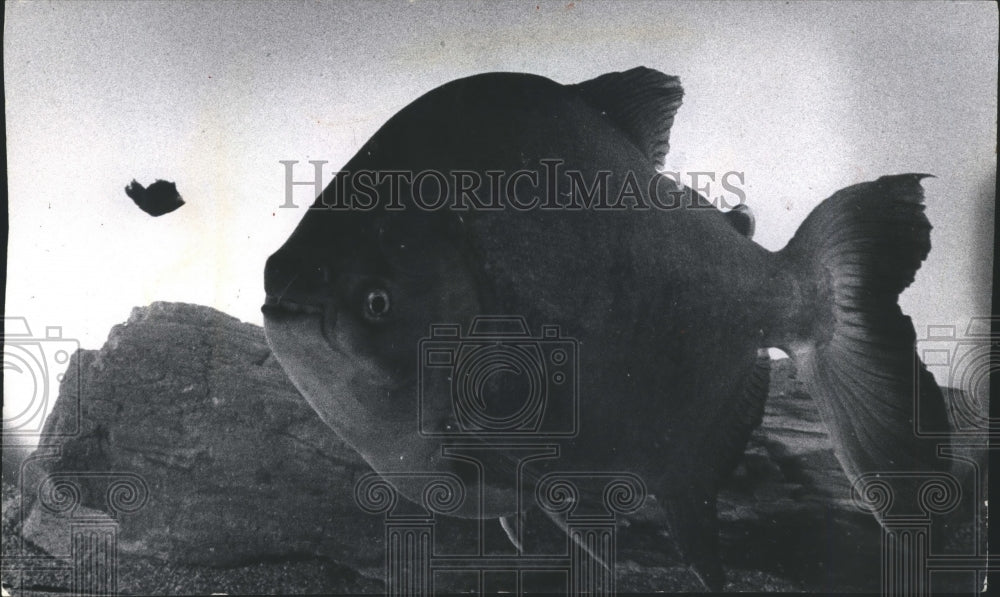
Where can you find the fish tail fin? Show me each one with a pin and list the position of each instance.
(851, 343)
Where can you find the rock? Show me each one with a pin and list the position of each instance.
(47, 529)
(237, 467)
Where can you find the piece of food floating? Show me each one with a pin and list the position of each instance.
(160, 198)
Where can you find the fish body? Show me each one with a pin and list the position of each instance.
(659, 301)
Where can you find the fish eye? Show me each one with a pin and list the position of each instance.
(376, 304)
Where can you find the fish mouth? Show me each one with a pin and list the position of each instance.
(280, 310)
(276, 308)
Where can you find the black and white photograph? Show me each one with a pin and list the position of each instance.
(430, 297)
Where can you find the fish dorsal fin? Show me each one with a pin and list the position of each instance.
(642, 102)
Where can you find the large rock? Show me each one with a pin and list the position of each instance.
(237, 466)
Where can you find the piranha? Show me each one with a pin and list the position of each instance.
(508, 194)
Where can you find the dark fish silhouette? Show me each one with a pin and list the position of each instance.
(160, 198)
(669, 305)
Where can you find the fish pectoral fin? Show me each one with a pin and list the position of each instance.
(642, 102)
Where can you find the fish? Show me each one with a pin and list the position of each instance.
(518, 201)
(159, 199)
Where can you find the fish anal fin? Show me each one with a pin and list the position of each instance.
(642, 102)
